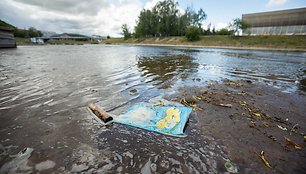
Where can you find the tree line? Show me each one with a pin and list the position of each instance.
(24, 33)
(27, 33)
(165, 19)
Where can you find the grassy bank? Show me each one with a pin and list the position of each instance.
(268, 42)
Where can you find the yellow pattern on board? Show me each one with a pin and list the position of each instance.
(172, 117)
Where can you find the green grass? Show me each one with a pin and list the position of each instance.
(291, 42)
(23, 41)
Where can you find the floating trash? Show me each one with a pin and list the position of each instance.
(231, 167)
(169, 120)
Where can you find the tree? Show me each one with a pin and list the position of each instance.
(33, 32)
(238, 25)
(147, 24)
(164, 19)
(207, 31)
(166, 14)
(125, 31)
(213, 31)
(198, 18)
(193, 33)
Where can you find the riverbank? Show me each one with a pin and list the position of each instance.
(265, 43)
(274, 43)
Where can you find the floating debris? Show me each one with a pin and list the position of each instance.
(242, 103)
(304, 137)
(281, 127)
(169, 120)
(230, 166)
(264, 160)
(256, 114)
(226, 105)
(190, 103)
(231, 83)
(272, 137)
(133, 91)
(266, 124)
(296, 146)
(293, 129)
(197, 98)
(153, 167)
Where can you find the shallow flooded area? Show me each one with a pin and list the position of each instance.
(46, 126)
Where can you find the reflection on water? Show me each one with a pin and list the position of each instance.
(165, 69)
(44, 91)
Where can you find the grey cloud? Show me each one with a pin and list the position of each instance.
(68, 6)
(71, 16)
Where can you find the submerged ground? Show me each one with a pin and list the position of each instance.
(245, 103)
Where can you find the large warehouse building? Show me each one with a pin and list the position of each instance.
(284, 22)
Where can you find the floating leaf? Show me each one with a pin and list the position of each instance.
(160, 103)
(226, 105)
(265, 124)
(252, 124)
(282, 128)
(133, 91)
(242, 103)
(190, 104)
(272, 137)
(195, 107)
(264, 160)
(231, 167)
(257, 114)
(242, 93)
(296, 146)
(196, 98)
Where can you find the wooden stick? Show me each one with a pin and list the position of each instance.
(104, 116)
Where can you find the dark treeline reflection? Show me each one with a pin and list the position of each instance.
(166, 69)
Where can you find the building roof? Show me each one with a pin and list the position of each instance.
(69, 35)
(276, 18)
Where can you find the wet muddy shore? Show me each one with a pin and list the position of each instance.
(232, 121)
(249, 118)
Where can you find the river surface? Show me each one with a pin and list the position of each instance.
(44, 91)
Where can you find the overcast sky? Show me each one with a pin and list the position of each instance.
(104, 17)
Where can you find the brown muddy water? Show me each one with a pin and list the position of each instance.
(44, 91)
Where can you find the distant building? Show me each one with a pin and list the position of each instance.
(7, 39)
(70, 36)
(284, 22)
(37, 40)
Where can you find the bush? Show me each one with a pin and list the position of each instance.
(193, 33)
(225, 31)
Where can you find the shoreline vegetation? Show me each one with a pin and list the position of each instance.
(272, 43)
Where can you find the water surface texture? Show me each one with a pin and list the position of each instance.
(44, 91)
